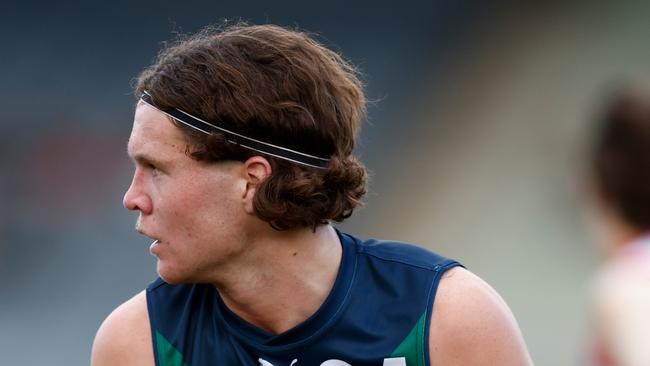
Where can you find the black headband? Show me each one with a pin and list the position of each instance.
(238, 139)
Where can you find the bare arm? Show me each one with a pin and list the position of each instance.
(472, 325)
(124, 338)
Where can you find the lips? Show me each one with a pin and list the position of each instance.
(153, 248)
(146, 233)
(156, 242)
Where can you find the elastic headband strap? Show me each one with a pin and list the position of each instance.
(241, 140)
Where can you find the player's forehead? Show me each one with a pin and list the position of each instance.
(154, 134)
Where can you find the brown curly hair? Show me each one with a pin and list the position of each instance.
(279, 86)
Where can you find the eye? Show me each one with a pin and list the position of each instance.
(154, 169)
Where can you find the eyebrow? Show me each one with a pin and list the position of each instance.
(142, 157)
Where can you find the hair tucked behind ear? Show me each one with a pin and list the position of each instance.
(298, 197)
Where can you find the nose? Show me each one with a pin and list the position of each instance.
(136, 197)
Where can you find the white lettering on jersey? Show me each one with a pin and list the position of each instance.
(400, 361)
(334, 363)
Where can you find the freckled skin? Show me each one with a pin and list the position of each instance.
(188, 205)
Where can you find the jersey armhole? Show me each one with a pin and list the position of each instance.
(439, 270)
(152, 325)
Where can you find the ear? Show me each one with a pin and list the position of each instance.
(256, 170)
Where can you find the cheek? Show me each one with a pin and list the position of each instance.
(200, 205)
(205, 211)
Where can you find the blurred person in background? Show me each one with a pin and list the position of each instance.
(243, 144)
(620, 171)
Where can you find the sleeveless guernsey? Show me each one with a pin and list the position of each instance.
(377, 314)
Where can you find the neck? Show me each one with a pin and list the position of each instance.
(283, 279)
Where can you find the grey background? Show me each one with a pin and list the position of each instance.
(475, 140)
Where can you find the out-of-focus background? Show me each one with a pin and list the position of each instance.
(475, 139)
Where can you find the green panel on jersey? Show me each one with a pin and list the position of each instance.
(412, 347)
(168, 355)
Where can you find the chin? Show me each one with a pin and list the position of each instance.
(172, 275)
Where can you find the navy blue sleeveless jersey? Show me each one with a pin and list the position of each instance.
(377, 314)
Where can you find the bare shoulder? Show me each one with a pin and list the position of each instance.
(472, 325)
(124, 338)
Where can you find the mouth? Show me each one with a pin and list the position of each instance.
(156, 242)
(140, 228)
(153, 248)
(145, 233)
